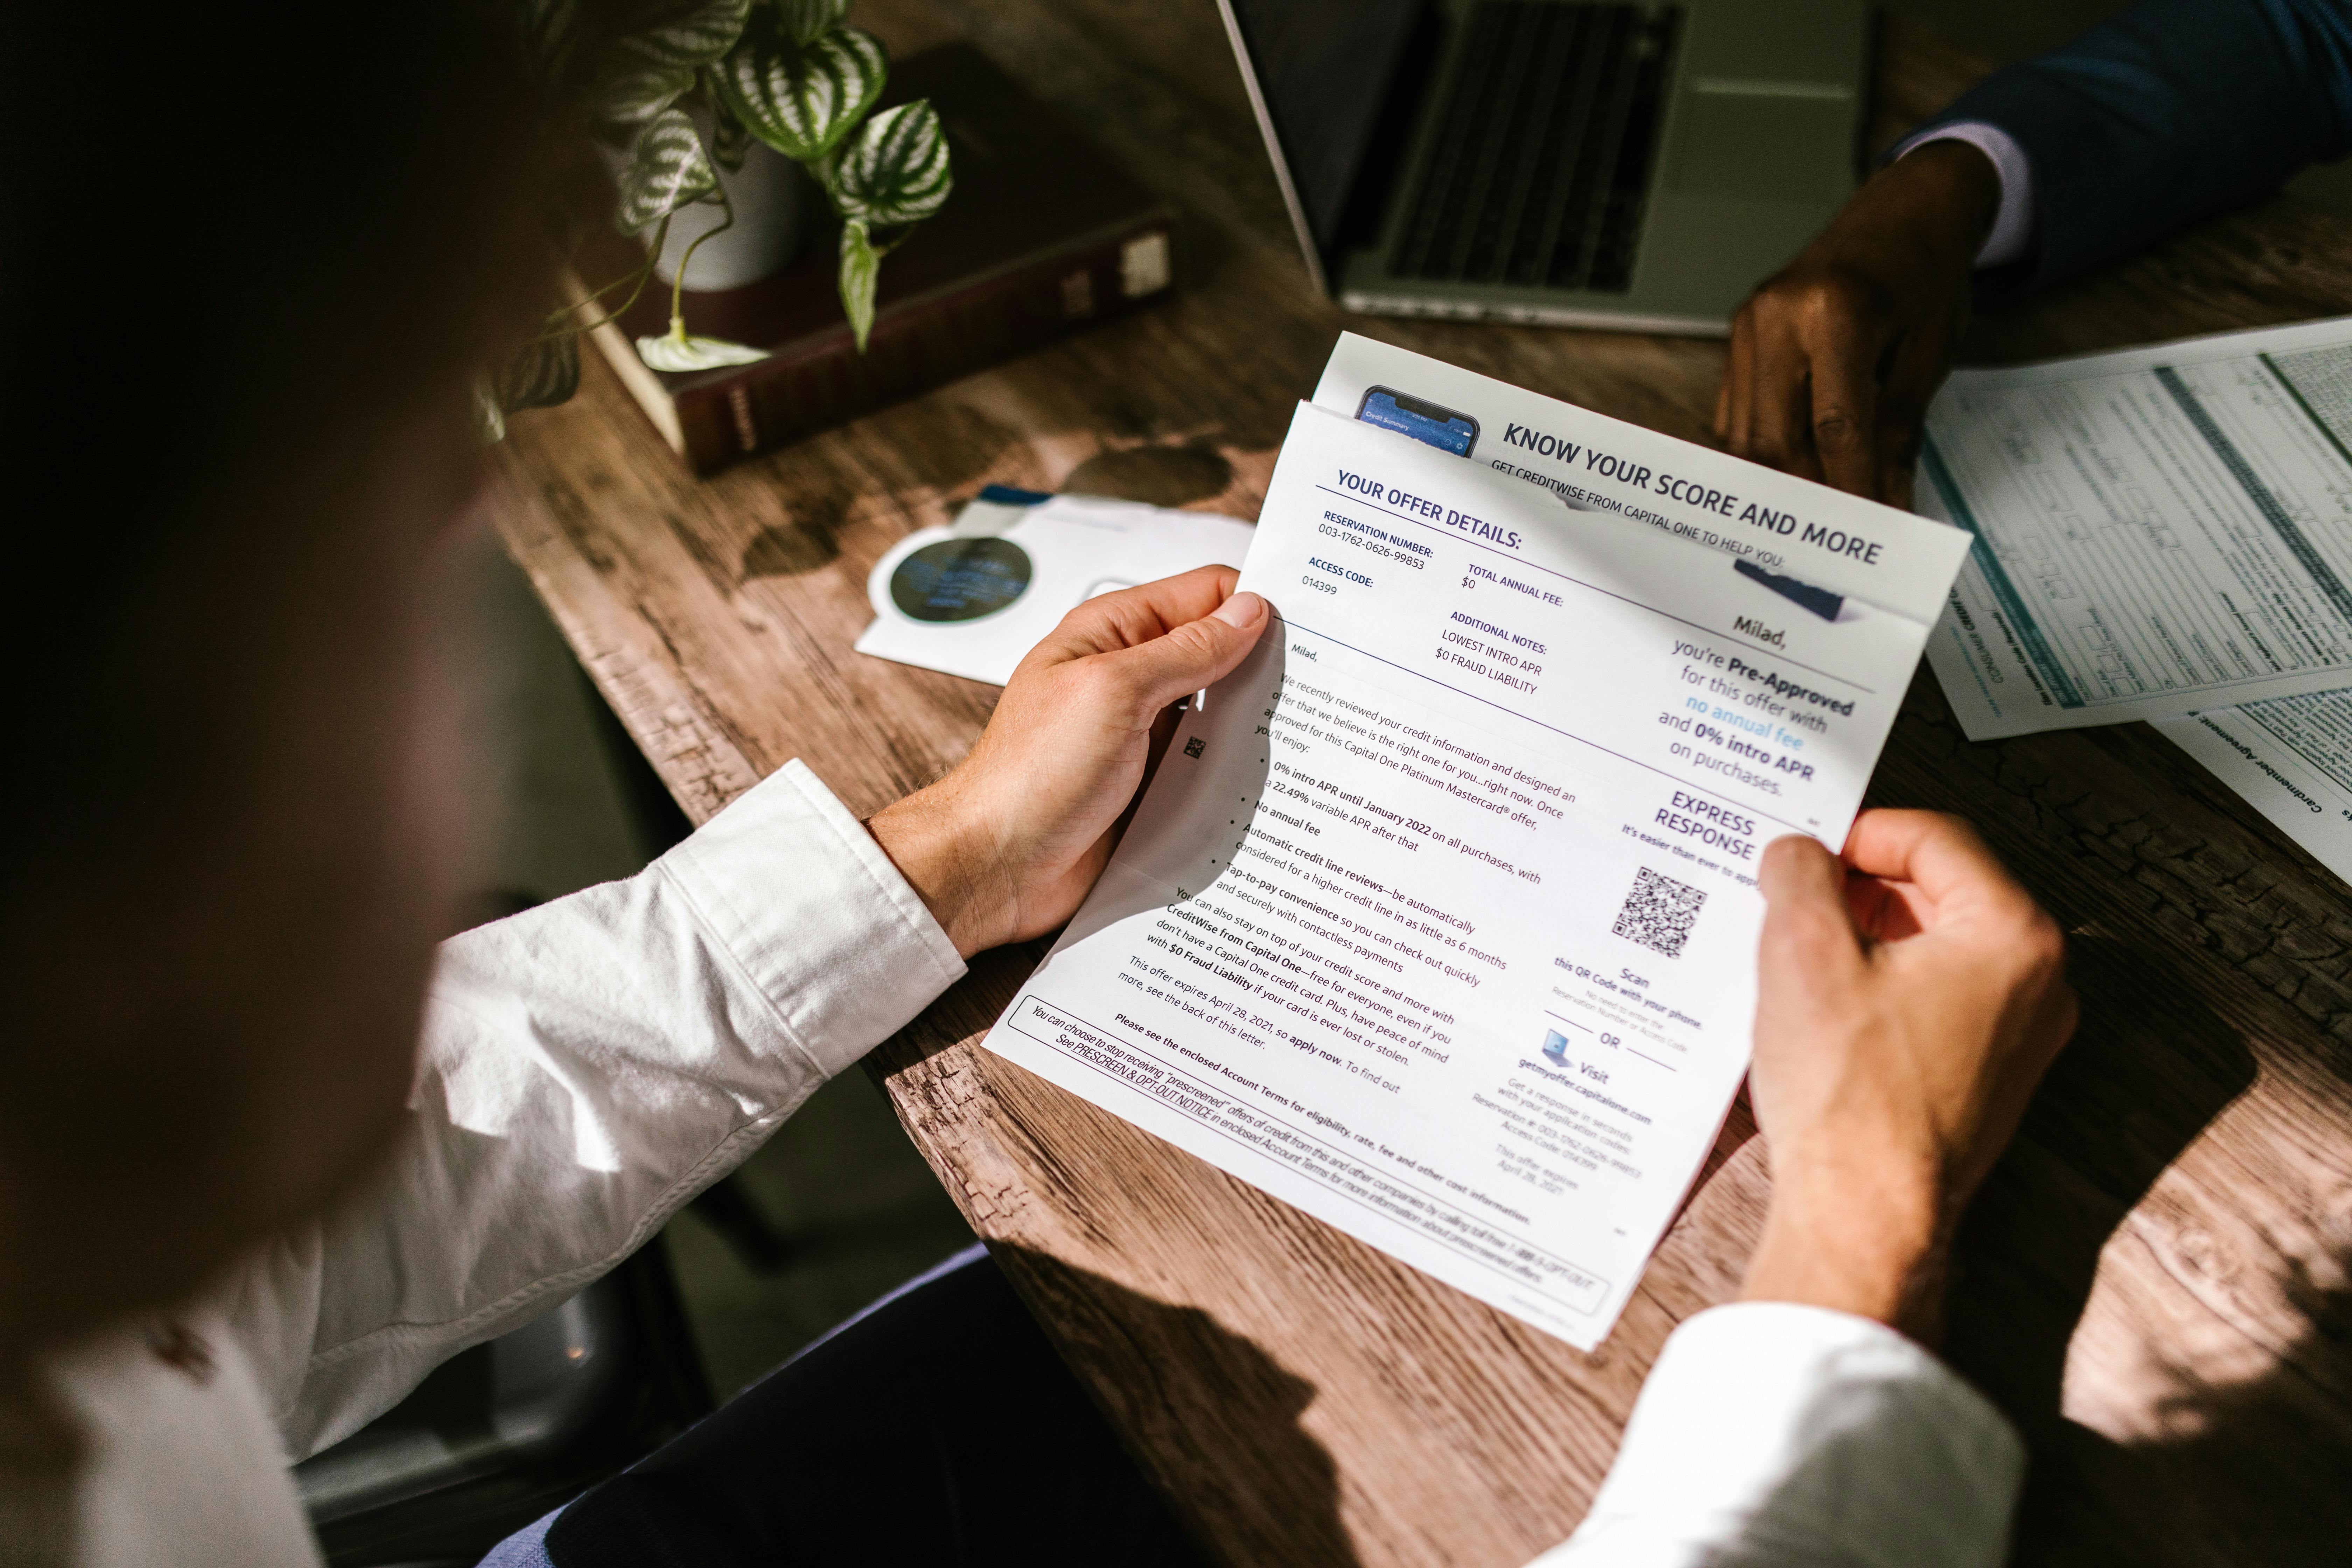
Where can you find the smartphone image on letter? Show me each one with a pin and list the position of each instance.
(1423, 420)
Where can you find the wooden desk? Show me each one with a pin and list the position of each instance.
(2154, 1282)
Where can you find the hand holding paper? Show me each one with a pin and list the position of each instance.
(1906, 1009)
(1005, 846)
(1440, 922)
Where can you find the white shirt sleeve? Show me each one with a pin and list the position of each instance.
(585, 1068)
(2013, 225)
(1776, 1436)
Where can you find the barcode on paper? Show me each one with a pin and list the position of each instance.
(1659, 913)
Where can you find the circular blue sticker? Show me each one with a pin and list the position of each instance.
(960, 579)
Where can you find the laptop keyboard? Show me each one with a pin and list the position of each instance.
(1543, 147)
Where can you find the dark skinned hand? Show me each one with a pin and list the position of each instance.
(1833, 359)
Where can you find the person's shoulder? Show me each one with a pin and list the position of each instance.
(124, 1438)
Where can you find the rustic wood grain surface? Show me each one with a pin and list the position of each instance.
(2153, 1284)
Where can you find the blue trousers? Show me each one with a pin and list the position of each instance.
(937, 1427)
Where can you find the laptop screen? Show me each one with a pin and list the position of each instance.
(1324, 68)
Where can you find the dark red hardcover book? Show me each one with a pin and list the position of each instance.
(1042, 235)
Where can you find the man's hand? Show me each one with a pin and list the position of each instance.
(1911, 997)
(1006, 845)
(1834, 358)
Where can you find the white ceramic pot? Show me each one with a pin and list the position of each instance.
(773, 201)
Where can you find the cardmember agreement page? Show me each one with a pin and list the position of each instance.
(1439, 920)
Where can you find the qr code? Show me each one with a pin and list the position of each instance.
(1659, 913)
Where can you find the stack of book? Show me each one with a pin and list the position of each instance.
(1041, 238)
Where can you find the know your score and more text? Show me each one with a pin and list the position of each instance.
(1693, 493)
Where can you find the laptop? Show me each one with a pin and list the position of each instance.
(1564, 163)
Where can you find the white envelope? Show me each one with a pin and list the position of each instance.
(1068, 548)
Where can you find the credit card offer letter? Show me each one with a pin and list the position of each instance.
(1439, 920)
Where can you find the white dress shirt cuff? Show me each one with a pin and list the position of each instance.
(1772, 1434)
(792, 887)
(2013, 225)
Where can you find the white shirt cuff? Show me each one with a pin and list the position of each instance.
(821, 922)
(2013, 226)
(1772, 1434)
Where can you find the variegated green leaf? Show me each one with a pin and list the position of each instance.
(666, 169)
(808, 20)
(800, 101)
(729, 139)
(648, 71)
(676, 351)
(698, 33)
(861, 267)
(632, 91)
(540, 374)
(546, 31)
(895, 170)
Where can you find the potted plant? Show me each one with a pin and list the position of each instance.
(679, 91)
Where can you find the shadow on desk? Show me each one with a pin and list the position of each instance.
(1224, 1439)
(2247, 1472)
(2258, 1471)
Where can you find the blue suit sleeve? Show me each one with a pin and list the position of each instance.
(2173, 109)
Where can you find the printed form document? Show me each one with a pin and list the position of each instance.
(2163, 533)
(1439, 920)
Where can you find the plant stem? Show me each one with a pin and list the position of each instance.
(660, 235)
(678, 284)
(639, 278)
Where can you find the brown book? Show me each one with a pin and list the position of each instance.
(1040, 236)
